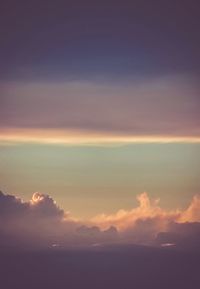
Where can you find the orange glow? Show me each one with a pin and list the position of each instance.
(36, 198)
(123, 219)
(149, 209)
(67, 137)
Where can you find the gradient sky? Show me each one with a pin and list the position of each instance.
(91, 180)
(81, 82)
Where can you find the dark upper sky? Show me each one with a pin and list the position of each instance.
(88, 39)
(121, 66)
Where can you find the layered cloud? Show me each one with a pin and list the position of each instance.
(159, 106)
(41, 222)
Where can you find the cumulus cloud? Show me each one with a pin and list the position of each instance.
(148, 222)
(192, 213)
(44, 206)
(38, 221)
(147, 209)
(41, 205)
(41, 222)
(11, 207)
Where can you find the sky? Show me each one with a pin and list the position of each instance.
(89, 180)
(99, 104)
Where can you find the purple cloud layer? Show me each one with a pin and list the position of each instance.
(157, 106)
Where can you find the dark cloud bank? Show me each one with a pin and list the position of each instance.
(43, 247)
(40, 223)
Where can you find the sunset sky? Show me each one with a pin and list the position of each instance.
(99, 102)
(99, 144)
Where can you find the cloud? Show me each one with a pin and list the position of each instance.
(182, 235)
(41, 222)
(96, 236)
(11, 207)
(185, 232)
(41, 206)
(147, 209)
(44, 206)
(157, 106)
(192, 213)
(144, 223)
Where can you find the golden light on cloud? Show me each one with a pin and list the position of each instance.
(75, 137)
(36, 198)
(149, 209)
